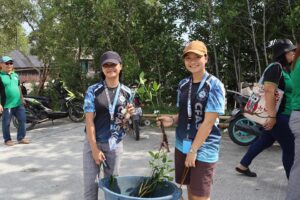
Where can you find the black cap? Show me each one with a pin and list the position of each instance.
(282, 46)
(110, 56)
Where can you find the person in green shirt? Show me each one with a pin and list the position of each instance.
(12, 102)
(276, 127)
(293, 192)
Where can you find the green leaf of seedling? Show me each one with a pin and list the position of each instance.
(171, 170)
(151, 153)
(155, 86)
(141, 90)
(142, 79)
(150, 96)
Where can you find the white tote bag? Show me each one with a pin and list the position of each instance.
(255, 109)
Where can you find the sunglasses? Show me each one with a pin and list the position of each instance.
(9, 63)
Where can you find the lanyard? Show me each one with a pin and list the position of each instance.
(112, 107)
(189, 102)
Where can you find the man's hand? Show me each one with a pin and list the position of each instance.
(1, 108)
(24, 102)
(98, 156)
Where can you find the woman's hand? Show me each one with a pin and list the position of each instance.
(130, 109)
(270, 123)
(190, 160)
(167, 120)
(98, 156)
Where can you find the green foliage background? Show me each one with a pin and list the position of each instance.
(149, 35)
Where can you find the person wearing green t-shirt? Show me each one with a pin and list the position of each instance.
(12, 102)
(277, 75)
(293, 192)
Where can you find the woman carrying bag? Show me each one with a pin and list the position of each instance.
(277, 75)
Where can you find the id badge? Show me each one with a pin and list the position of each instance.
(187, 143)
(112, 141)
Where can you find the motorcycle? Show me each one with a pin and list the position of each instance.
(242, 131)
(38, 108)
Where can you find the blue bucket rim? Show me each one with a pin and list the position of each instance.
(136, 198)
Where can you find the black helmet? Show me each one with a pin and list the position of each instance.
(282, 46)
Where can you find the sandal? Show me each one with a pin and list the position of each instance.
(24, 141)
(9, 143)
(246, 172)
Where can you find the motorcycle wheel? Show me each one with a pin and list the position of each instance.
(136, 129)
(76, 112)
(29, 125)
(240, 137)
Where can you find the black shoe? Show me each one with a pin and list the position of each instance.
(246, 172)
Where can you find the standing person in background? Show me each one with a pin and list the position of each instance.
(276, 128)
(201, 99)
(293, 192)
(12, 102)
(104, 105)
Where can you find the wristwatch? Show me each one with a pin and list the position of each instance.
(193, 150)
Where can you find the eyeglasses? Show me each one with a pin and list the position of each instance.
(9, 63)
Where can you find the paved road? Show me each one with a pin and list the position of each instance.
(50, 168)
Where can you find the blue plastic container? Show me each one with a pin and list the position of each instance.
(127, 185)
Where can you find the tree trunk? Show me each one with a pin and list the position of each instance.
(213, 43)
(253, 36)
(43, 78)
(237, 67)
(237, 78)
(292, 27)
(264, 33)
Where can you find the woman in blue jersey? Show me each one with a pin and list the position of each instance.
(105, 105)
(201, 99)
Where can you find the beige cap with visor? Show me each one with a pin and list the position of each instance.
(196, 47)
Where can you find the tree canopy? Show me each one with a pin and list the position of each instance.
(150, 36)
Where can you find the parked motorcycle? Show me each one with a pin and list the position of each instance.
(38, 108)
(242, 131)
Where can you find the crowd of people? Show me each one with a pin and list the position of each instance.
(200, 102)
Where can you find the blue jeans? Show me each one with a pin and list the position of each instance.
(281, 132)
(19, 113)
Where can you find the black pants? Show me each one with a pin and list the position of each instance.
(281, 132)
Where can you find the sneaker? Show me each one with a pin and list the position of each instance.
(9, 143)
(246, 172)
(24, 141)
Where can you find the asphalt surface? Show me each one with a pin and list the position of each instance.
(50, 168)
